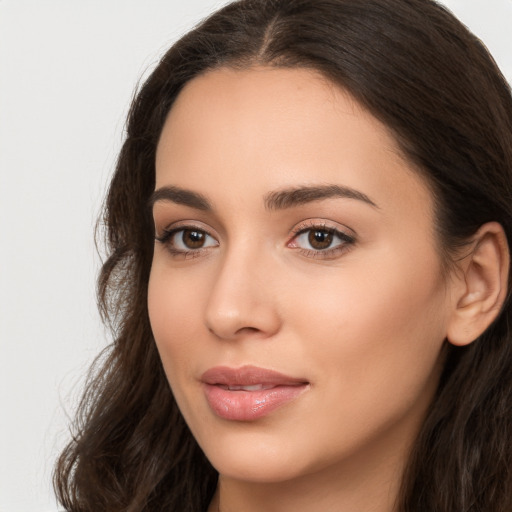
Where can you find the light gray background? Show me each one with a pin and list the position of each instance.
(68, 69)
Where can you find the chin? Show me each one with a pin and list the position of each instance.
(257, 468)
(246, 454)
(257, 456)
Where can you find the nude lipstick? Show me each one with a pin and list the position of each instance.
(248, 393)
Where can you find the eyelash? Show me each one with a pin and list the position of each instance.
(166, 239)
(345, 241)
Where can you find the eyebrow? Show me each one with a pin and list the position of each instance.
(291, 197)
(179, 196)
(277, 200)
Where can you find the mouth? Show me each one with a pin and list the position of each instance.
(255, 387)
(249, 393)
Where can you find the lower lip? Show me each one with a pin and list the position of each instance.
(249, 405)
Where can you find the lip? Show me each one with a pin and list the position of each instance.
(248, 393)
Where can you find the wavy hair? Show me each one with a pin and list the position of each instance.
(416, 68)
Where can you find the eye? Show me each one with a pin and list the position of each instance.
(186, 240)
(318, 239)
(321, 241)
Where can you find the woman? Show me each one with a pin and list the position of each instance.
(308, 227)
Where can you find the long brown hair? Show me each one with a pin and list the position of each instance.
(422, 73)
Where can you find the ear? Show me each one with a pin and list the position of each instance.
(480, 286)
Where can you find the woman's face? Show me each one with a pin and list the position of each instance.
(296, 294)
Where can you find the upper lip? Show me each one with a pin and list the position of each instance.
(248, 376)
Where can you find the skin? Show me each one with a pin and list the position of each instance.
(363, 324)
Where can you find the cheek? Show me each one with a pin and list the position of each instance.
(175, 321)
(173, 306)
(374, 338)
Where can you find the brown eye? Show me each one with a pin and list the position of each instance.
(322, 242)
(187, 240)
(193, 239)
(320, 239)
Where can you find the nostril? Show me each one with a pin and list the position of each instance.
(247, 330)
(243, 331)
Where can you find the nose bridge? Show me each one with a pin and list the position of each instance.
(241, 298)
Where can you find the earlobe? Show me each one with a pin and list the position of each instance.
(480, 288)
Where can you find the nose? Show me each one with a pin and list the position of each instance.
(242, 301)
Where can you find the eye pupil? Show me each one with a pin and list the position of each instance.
(193, 239)
(320, 239)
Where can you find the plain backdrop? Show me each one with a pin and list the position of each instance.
(68, 69)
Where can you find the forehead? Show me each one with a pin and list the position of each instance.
(254, 130)
(274, 108)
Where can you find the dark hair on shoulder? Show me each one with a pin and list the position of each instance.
(415, 67)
